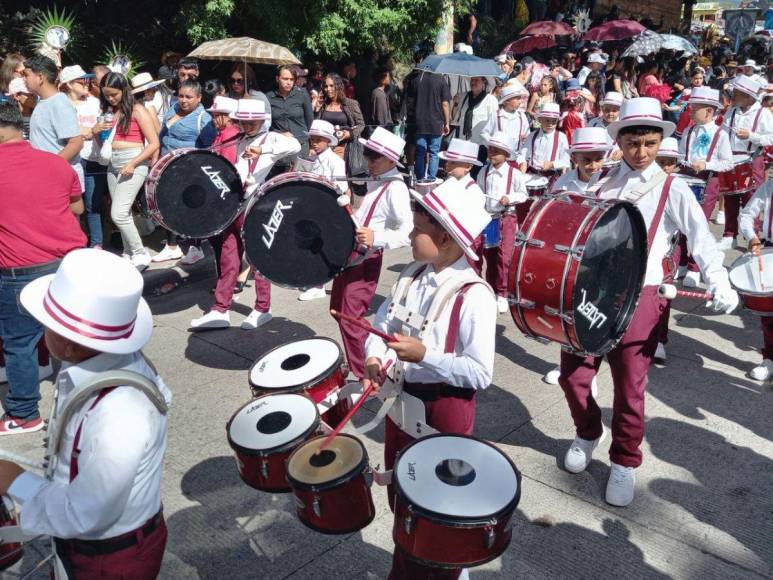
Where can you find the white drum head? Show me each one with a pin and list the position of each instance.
(296, 364)
(536, 181)
(456, 476)
(745, 273)
(692, 180)
(272, 421)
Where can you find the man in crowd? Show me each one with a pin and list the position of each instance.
(432, 98)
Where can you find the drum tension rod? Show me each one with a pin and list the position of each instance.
(576, 253)
(523, 239)
(565, 316)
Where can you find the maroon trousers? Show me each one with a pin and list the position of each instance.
(139, 562)
(498, 258)
(447, 415)
(351, 294)
(767, 337)
(629, 360)
(230, 248)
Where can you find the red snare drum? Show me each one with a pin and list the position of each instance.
(10, 553)
(263, 434)
(739, 179)
(313, 367)
(332, 489)
(536, 185)
(454, 500)
(194, 193)
(744, 274)
(577, 271)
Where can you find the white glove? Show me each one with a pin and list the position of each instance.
(725, 299)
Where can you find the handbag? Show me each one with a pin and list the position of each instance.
(355, 159)
(106, 151)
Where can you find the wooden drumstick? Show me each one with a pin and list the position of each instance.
(362, 324)
(669, 292)
(760, 268)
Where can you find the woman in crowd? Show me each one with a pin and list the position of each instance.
(340, 111)
(145, 91)
(25, 100)
(628, 79)
(243, 84)
(12, 68)
(548, 93)
(134, 147)
(647, 78)
(594, 85)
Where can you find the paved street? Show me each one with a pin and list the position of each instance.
(703, 507)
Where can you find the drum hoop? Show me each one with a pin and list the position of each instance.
(279, 448)
(751, 293)
(333, 483)
(292, 176)
(311, 382)
(445, 519)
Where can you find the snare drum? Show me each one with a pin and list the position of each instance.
(263, 434)
(10, 552)
(313, 367)
(492, 234)
(454, 500)
(739, 179)
(332, 489)
(194, 193)
(577, 271)
(744, 274)
(295, 233)
(536, 185)
(697, 186)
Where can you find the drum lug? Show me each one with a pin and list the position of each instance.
(316, 507)
(565, 316)
(535, 243)
(264, 469)
(522, 302)
(408, 523)
(575, 253)
(491, 536)
(521, 238)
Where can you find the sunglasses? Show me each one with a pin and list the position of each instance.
(237, 81)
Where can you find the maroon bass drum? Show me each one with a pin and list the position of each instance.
(11, 552)
(577, 271)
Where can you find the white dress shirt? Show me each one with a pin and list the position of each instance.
(682, 213)
(572, 182)
(721, 159)
(746, 120)
(473, 366)
(486, 109)
(758, 204)
(538, 148)
(122, 444)
(392, 219)
(515, 124)
(274, 146)
(493, 182)
(328, 164)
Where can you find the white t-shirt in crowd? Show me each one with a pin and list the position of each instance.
(88, 110)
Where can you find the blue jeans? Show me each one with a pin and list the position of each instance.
(20, 333)
(424, 142)
(96, 188)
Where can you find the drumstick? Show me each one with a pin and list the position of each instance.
(759, 267)
(669, 292)
(345, 202)
(362, 324)
(356, 407)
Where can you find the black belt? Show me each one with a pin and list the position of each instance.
(110, 545)
(27, 270)
(433, 391)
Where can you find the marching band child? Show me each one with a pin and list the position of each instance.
(573, 116)
(509, 119)
(668, 155)
(460, 157)
(546, 151)
(610, 111)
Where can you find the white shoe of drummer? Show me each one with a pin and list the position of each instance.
(692, 279)
(140, 260)
(681, 272)
(551, 377)
(212, 320)
(256, 319)
(464, 574)
(762, 372)
(620, 486)
(660, 354)
(502, 305)
(312, 294)
(594, 388)
(720, 219)
(725, 244)
(194, 255)
(580, 453)
(168, 254)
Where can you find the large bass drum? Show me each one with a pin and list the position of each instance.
(577, 271)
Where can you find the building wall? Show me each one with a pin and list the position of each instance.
(639, 9)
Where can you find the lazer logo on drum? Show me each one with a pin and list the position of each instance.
(274, 222)
(217, 181)
(411, 471)
(591, 313)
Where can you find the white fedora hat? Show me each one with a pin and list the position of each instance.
(324, 129)
(704, 96)
(746, 85)
(93, 299)
(612, 98)
(223, 105)
(641, 111)
(385, 143)
(550, 111)
(669, 147)
(511, 90)
(249, 110)
(503, 141)
(73, 73)
(589, 139)
(461, 151)
(143, 82)
(462, 215)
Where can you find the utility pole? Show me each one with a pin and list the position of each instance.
(444, 41)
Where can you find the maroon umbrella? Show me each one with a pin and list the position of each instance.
(548, 28)
(529, 43)
(614, 30)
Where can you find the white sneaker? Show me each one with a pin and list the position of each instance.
(762, 372)
(681, 271)
(502, 305)
(194, 255)
(43, 371)
(168, 253)
(256, 319)
(594, 388)
(141, 260)
(720, 219)
(692, 279)
(660, 354)
(312, 294)
(620, 485)
(551, 377)
(725, 244)
(3, 376)
(211, 320)
(579, 454)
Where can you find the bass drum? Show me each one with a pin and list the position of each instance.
(194, 193)
(10, 552)
(577, 271)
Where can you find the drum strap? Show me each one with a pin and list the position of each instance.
(659, 211)
(253, 163)
(510, 170)
(755, 123)
(76, 442)
(453, 323)
(552, 153)
(373, 206)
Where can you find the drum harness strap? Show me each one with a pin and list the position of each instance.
(712, 146)
(510, 170)
(755, 125)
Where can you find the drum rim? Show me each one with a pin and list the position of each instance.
(742, 292)
(445, 519)
(332, 484)
(279, 448)
(295, 388)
